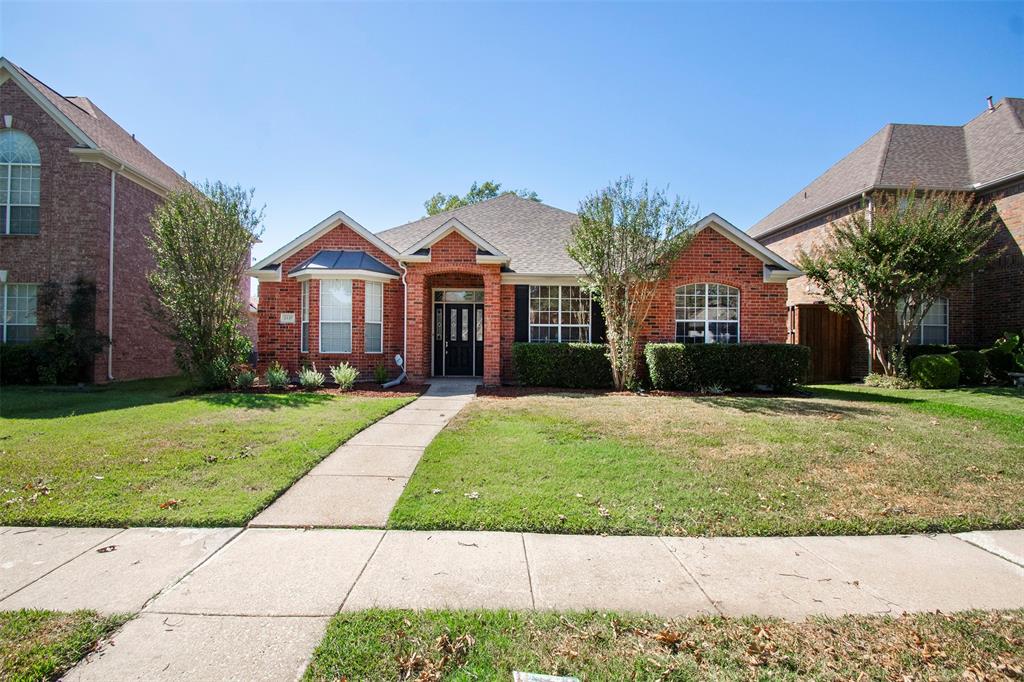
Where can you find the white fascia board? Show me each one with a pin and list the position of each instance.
(108, 160)
(336, 219)
(491, 260)
(46, 105)
(744, 241)
(414, 259)
(446, 228)
(779, 276)
(321, 273)
(262, 275)
(541, 279)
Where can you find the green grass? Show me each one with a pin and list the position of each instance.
(848, 460)
(468, 645)
(41, 645)
(141, 453)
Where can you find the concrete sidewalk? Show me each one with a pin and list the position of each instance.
(360, 482)
(252, 604)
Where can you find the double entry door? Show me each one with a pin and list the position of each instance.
(458, 338)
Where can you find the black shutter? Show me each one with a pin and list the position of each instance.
(597, 333)
(523, 312)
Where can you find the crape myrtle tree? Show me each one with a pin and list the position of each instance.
(887, 263)
(440, 202)
(625, 239)
(201, 243)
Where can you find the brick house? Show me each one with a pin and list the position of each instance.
(450, 293)
(76, 191)
(985, 157)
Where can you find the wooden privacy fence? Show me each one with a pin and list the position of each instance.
(827, 334)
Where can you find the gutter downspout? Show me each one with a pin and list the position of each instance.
(110, 279)
(405, 329)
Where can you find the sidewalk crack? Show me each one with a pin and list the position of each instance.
(692, 577)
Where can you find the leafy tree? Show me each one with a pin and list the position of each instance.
(887, 263)
(439, 203)
(200, 242)
(625, 240)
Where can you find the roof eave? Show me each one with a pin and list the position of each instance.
(108, 160)
(324, 273)
(334, 220)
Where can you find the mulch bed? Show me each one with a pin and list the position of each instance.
(521, 391)
(360, 390)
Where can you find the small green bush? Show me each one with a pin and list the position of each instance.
(19, 363)
(276, 376)
(309, 378)
(911, 352)
(935, 371)
(380, 374)
(732, 367)
(562, 365)
(345, 376)
(886, 381)
(244, 378)
(972, 366)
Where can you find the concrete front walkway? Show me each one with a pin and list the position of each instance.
(252, 604)
(360, 482)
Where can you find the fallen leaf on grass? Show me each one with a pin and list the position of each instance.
(170, 504)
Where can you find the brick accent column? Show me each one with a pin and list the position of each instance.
(416, 363)
(492, 328)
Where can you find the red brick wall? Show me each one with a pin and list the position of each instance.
(1000, 287)
(715, 259)
(73, 241)
(280, 342)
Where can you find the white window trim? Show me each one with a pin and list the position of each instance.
(707, 322)
(304, 317)
(559, 325)
(366, 316)
(3, 308)
(6, 195)
(320, 341)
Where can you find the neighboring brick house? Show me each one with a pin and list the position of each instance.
(985, 157)
(76, 191)
(450, 293)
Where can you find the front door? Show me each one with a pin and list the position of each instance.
(459, 337)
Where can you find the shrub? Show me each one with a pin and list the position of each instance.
(380, 374)
(886, 381)
(562, 365)
(18, 363)
(276, 376)
(972, 366)
(740, 367)
(1005, 356)
(935, 371)
(911, 352)
(345, 376)
(245, 377)
(310, 378)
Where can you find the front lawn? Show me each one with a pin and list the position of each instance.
(472, 645)
(848, 460)
(41, 645)
(140, 453)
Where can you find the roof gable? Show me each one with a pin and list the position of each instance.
(778, 268)
(451, 225)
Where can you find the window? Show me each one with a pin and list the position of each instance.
(19, 183)
(707, 313)
(559, 314)
(18, 306)
(373, 319)
(304, 319)
(933, 326)
(335, 316)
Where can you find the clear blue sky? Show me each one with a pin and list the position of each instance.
(373, 108)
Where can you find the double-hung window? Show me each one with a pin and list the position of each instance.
(19, 183)
(335, 316)
(559, 314)
(933, 325)
(304, 321)
(707, 313)
(18, 308)
(373, 318)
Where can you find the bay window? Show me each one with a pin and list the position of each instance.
(304, 319)
(707, 313)
(559, 314)
(335, 316)
(373, 318)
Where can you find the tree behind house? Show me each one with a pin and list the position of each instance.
(626, 239)
(439, 203)
(200, 242)
(887, 264)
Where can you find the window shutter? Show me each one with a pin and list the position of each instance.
(597, 330)
(522, 326)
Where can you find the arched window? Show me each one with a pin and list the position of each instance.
(707, 313)
(19, 183)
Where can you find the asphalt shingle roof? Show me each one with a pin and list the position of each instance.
(533, 235)
(107, 134)
(987, 149)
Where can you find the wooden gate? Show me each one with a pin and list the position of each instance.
(827, 333)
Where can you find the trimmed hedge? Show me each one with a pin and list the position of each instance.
(562, 365)
(739, 367)
(935, 371)
(972, 366)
